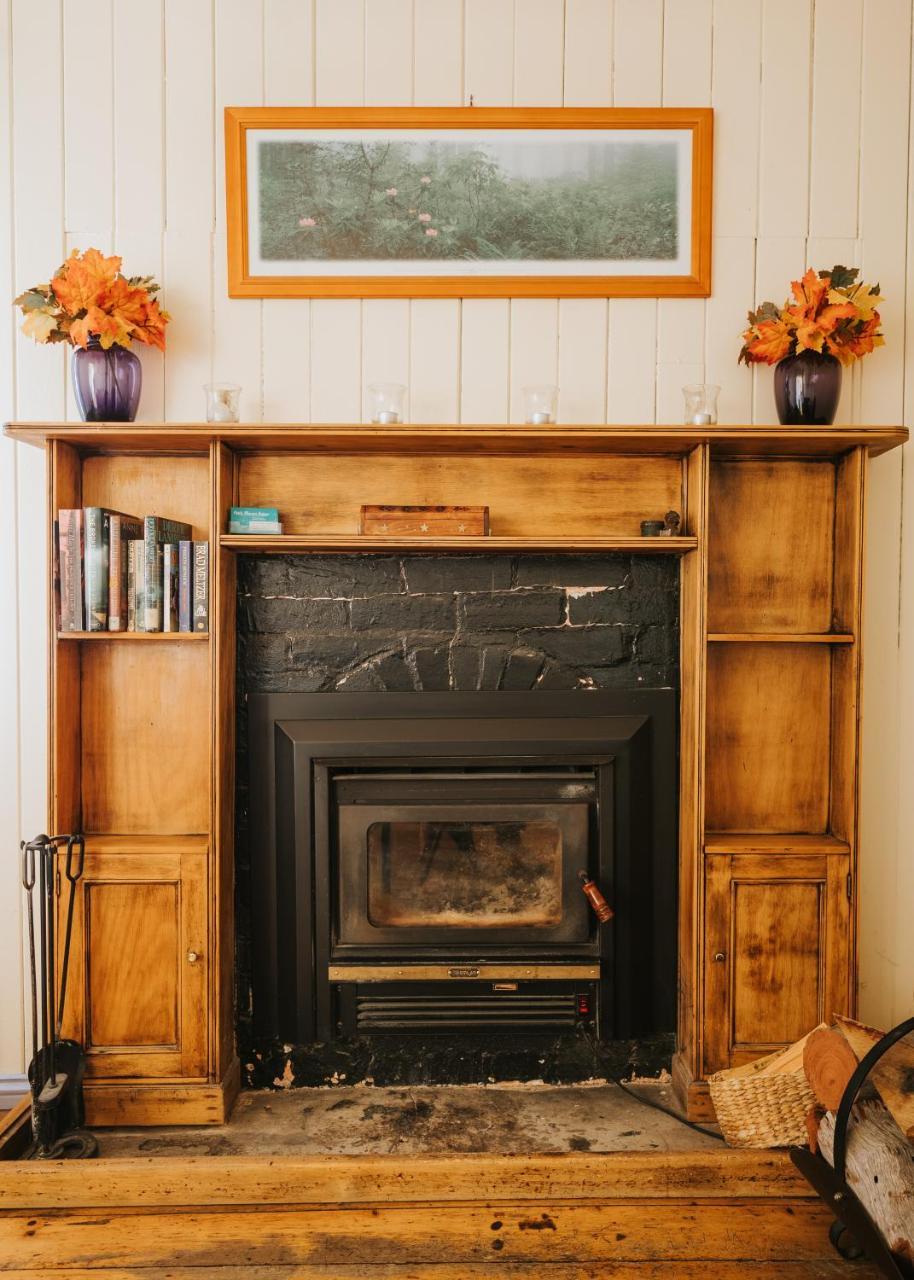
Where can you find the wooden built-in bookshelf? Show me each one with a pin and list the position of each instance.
(142, 748)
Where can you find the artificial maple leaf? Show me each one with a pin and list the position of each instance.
(809, 336)
(866, 299)
(81, 280)
(768, 342)
(126, 302)
(829, 317)
(107, 328)
(39, 325)
(841, 277)
(152, 330)
(809, 293)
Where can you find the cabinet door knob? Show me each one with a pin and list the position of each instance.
(193, 957)
(720, 956)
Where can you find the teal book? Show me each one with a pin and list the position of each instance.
(253, 515)
(156, 532)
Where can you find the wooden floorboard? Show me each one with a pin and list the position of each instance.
(426, 1235)
(242, 1180)
(484, 1271)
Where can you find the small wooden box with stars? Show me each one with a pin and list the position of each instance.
(452, 522)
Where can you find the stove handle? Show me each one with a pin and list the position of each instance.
(602, 910)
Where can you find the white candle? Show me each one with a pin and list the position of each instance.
(701, 419)
(539, 417)
(387, 415)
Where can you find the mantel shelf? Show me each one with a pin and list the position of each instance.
(344, 542)
(131, 637)
(495, 439)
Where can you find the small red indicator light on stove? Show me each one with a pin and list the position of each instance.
(583, 1005)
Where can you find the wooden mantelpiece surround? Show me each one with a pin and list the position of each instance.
(142, 727)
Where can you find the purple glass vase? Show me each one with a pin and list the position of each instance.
(107, 383)
(806, 389)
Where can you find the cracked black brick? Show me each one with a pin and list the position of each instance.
(512, 609)
(572, 571)
(404, 614)
(457, 573)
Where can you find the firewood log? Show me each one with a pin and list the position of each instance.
(893, 1075)
(879, 1169)
(829, 1063)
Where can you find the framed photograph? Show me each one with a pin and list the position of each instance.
(450, 202)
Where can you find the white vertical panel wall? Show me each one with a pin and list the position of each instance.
(117, 143)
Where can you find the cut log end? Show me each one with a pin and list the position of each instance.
(829, 1063)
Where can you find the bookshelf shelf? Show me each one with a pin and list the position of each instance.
(355, 542)
(765, 842)
(131, 637)
(775, 637)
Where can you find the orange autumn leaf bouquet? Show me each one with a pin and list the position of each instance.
(830, 313)
(89, 298)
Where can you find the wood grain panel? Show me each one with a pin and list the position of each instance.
(131, 937)
(768, 712)
(525, 496)
(147, 485)
(145, 738)
(777, 950)
(776, 940)
(137, 993)
(770, 551)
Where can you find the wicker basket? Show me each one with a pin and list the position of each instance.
(765, 1103)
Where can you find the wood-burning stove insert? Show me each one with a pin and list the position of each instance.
(417, 862)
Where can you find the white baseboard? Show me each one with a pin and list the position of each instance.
(11, 1090)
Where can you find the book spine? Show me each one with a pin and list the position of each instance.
(70, 522)
(185, 585)
(152, 581)
(96, 568)
(117, 579)
(201, 586)
(137, 592)
(58, 602)
(131, 585)
(170, 586)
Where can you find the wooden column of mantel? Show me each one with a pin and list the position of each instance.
(142, 727)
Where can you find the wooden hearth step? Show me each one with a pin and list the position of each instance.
(717, 1215)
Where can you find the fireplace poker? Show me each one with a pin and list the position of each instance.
(57, 1067)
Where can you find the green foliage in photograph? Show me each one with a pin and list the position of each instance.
(461, 202)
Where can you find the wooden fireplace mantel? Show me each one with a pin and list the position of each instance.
(142, 726)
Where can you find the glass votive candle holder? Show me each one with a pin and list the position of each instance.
(540, 404)
(222, 401)
(700, 404)
(386, 401)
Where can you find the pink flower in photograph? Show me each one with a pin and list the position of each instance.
(425, 217)
(430, 231)
(425, 180)
(307, 222)
(391, 191)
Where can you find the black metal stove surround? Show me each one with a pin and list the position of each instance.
(419, 856)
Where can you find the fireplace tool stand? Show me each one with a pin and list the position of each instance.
(58, 1066)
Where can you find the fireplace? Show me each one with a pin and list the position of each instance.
(421, 858)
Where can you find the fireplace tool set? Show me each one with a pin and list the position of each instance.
(58, 1066)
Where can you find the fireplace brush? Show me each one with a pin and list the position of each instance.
(58, 1066)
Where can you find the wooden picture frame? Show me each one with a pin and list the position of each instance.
(687, 130)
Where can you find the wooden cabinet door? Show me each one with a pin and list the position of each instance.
(136, 996)
(777, 944)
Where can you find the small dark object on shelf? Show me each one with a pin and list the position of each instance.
(652, 528)
(672, 524)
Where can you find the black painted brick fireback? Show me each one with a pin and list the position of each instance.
(438, 623)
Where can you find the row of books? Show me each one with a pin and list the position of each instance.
(125, 573)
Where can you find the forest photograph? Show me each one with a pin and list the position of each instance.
(479, 201)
